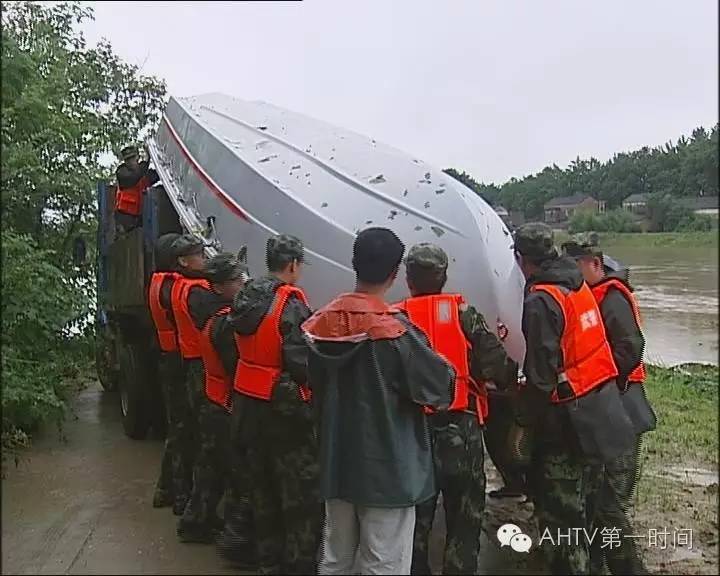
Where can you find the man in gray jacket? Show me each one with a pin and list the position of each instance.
(371, 373)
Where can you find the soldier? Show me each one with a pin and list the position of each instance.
(613, 501)
(459, 333)
(219, 350)
(210, 399)
(168, 364)
(570, 400)
(372, 373)
(274, 417)
(133, 178)
(186, 258)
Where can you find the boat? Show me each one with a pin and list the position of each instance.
(238, 172)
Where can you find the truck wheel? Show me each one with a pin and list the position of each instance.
(105, 362)
(133, 385)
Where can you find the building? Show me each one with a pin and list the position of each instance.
(703, 205)
(562, 209)
(636, 203)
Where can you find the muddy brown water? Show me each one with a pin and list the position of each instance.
(677, 289)
(83, 506)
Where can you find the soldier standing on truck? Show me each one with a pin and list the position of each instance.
(270, 404)
(211, 402)
(459, 333)
(133, 178)
(612, 501)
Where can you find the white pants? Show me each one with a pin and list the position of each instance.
(362, 540)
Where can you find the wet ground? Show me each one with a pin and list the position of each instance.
(83, 506)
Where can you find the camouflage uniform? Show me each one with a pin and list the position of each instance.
(613, 508)
(278, 436)
(611, 487)
(459, 472)
(558, 477)
(178, 457)
(457, 438)
(175, 480)
(211, 470)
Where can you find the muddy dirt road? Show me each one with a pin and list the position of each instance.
(84, 507)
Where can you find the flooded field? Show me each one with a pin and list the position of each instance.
(677, 287)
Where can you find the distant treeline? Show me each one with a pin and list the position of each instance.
(687, 168)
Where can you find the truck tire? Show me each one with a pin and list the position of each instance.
(105, 361)
(133, 385)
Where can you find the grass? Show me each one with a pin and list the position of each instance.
(685, 400)
(652, 239)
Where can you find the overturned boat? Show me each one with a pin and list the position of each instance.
(237, 172)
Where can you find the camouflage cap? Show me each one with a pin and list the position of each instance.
(535, 240)
(427, 255)
(285, 246)
(225, 267)
(584, 244)
(187, 244)
(129, 152)
(164, 254)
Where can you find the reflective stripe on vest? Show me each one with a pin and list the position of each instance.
(260, 354)
(218, 383)
(167, 336)
(188, 334)
(600, 290)
(129, 200)
(438, 317)
(587, 357)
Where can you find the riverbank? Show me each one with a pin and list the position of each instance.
(678, 489)
(57, 517)
(679, 240)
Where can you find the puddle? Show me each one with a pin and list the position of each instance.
(695, 476)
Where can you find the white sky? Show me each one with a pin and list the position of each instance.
(498, 88)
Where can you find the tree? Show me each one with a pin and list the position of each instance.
(686, 168)
(65, 107)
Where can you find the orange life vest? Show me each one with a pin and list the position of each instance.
(217, 382)
(600, 290)
(188, 335)
(587, 357)
(129, 200)
(167, 335)
(260, 354)
(437, 315)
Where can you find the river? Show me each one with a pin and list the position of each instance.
(677, 288)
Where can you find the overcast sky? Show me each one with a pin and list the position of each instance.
(498, 88)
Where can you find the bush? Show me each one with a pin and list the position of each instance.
(39, 303)
(696, 223)
(613, 221)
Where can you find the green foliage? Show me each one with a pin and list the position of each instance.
(668, 214)
(39, 303)
(613, 221)
(66, 109)
(688, 168)
(685, 400)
